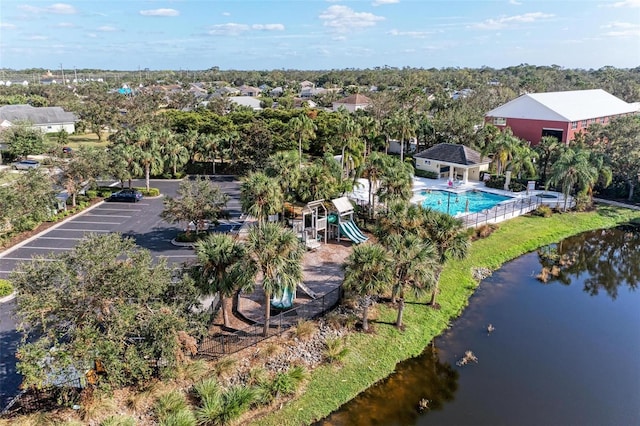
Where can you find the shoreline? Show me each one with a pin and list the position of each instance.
(373, 357)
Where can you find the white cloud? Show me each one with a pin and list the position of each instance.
(6, 26)
(506, 21)
(57, 8)
(37, 38)
(268, 27)
(380, 2)
(515, 2)
(65, 25)
(159, 12)
(226, 14)
(626, 3)
(92, 35)
(622, 29)
(343, 19)
(230, 29)
(106, 29)
(415, 34)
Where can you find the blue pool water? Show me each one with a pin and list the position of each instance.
(454, 203)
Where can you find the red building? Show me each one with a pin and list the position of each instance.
(559, 114)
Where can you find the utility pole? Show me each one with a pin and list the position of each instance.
(62, 70)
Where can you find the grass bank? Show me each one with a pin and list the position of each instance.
(373, 357)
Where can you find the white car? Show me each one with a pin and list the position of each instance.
(26, 165)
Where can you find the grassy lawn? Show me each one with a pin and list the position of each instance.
(374, 356)
(89, 139)
(8, 177)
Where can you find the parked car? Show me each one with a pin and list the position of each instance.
(130, 195)
(26, 165)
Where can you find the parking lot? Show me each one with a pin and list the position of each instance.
(140, 221)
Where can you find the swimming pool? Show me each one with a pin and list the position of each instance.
(462, 202)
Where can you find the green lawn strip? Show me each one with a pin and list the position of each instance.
(373, 357)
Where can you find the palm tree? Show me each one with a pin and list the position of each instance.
(503, 148)
(125, 162)
(224, 267)
(548, 149)
(523, 160)
(176, 155)
(283, 166)
(415, 262)
(572, 169)
(352, 146)
(374, 167)
(208, 145)
(403, 127)
(150, 160)
(396, 182)
(304, 128)
(368, 272)
(449, 237)
(261, 196)
(278, 255)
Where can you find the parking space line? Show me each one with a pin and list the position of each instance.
(106, 215)
(60, 238)
(30, 258)
(118, 210)
(96, 223)
(9, 272)
(46, 248)
(82, 230)
(178, 255)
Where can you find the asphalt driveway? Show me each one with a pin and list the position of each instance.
(140, 221)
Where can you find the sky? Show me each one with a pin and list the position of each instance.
(317, 34)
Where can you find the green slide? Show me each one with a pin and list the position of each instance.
(284, 300)
(351, 231)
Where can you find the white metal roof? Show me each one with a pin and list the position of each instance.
(343, 205)
(572, 105)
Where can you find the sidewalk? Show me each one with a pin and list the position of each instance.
(616, 204)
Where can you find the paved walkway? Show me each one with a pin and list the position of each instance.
(616, 203)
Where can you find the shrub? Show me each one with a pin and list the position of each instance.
(183, 417)
(118, 421)
(543, 211)
(483, 231)
(92, 194)
(104, 193)
(335, 350)
(305, 329)
(287, 383)
(169, 403)
(5, 288)
(152, 192)
(583, 202)
(426, 174)
(25, 224)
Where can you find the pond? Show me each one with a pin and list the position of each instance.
(563, 351)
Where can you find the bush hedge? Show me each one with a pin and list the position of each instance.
(5, 288)
(426, 174)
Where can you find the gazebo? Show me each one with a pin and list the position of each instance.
(453, 161)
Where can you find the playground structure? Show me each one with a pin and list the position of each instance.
(341, 222)
(312, 228)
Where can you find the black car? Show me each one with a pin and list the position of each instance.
(130, 195)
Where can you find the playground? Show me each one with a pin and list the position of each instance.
(328, 231)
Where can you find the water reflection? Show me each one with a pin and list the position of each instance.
(537, 367)
(609, 258)
(422, 384)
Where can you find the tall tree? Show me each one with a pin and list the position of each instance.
(198, 201)
(415, 263)
(304, 129)
(223, 267)
(368, 272)
(450, 239)
(573, 169)
(548, 150)
(278, 255)
(282, 166)
(503, 148)
(260, 196)
(104, 302)
(396, 181)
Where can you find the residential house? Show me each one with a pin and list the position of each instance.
(559, 114)
(249, 90)
(452, 161)
(310, 92)
(246, 101)
(352, 103)
(47, 119)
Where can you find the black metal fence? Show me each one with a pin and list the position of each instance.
(218, 346)
(502, 211)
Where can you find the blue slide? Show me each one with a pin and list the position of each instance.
(351, 231)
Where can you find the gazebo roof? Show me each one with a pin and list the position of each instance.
(454, 154)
